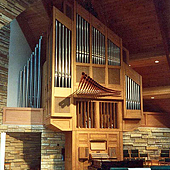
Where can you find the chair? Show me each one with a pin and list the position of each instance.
(167, 161)
(126, 154)
(144, 157)
(134, 154)
(163, 155)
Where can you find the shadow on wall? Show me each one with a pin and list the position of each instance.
(23, 150)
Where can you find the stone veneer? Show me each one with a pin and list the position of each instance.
(147, 140)
(51, 147)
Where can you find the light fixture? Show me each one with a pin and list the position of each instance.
(152, 97)
(156, 61)
(129, 65)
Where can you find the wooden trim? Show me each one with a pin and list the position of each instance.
(114, 38)
(132, 73)
(98, 25)
(83, 13)
(62, 18)
(155, 119)
(133, 114)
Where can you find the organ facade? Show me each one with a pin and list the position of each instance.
(89, 92)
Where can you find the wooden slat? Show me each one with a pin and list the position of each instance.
(81, 114)
(88, 114)
(92, 114)
(104, 115)
(107, 105)
(111, 117)
(78, 118)
(114, 115)
(84, 115)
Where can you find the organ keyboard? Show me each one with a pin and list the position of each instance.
(99, 156)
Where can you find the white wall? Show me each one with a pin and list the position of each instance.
(19, 52)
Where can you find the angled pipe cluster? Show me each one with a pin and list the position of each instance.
(89, 86)
(30, 80)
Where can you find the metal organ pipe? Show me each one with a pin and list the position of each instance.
(63, 55)
(30, 80)
(132, 94)
(98, 47)
(82, 40)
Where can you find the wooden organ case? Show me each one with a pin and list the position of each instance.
(93, 124)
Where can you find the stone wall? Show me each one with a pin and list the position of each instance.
(23, 150)
(147, 140)
(51, 144)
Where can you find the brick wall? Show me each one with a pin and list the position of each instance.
(147, 140)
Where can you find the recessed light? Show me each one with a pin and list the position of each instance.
(129, 65)
(156, 61)
(152, 97)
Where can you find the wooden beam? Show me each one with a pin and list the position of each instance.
(162, 92)
(160, 7)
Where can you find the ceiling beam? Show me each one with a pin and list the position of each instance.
(160, 7)
(162, 92)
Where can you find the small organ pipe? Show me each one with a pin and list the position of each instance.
(20, 88)
(82, 31)
(59, 56)
(35, 76)
(62, 58)
(80, 40)
(88, 55)
(39, 73)
(69, 59)
(66, 60)
(31, 80)
(85, 41)
(27, 84)
(77, 38)
(24, 84)
(56, 54)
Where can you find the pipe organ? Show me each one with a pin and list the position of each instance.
(30, 80)
(89, 93)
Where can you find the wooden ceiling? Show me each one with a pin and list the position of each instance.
(143, 25)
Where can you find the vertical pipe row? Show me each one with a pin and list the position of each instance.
(30, 80)
(63, 56)
(113, 53)
(98, 47)
(132, 94)
(82, 40)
